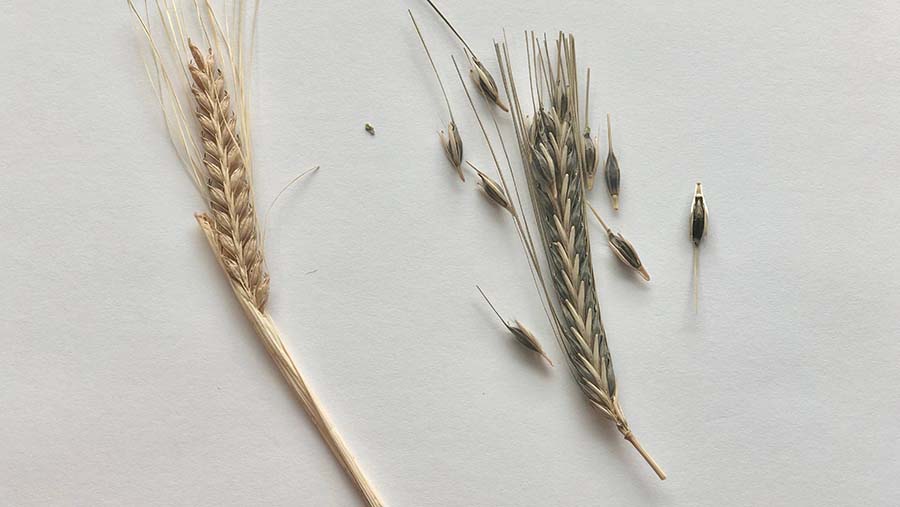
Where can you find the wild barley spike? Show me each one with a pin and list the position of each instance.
(553, 157)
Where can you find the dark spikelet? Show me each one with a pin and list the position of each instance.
(626, 253)
(522, 334)
(611, 169)
(453, 148)
(699, 215)
(493, 191)
(527, 339)
(486, 84)
(590, 160)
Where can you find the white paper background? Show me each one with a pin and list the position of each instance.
(128, 376)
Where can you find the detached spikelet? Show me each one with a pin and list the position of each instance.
(493, 190)
(527, 339)
(621, 247)
(699, 214)
(229, 191)
(479, 73)
(699, 224)
(626, 253)
(453, 148)
(591, 148)
(611, 169)
(522, 334)
(486, 83)
(591, 159)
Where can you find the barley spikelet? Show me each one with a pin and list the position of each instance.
(699, 224)
(228, 185)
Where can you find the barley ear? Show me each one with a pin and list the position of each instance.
(228, 184)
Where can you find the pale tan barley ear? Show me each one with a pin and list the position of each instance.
(231, 209)
(219, 163)
(232, 230)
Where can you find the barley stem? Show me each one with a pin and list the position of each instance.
(270, 336)
(644, 454)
